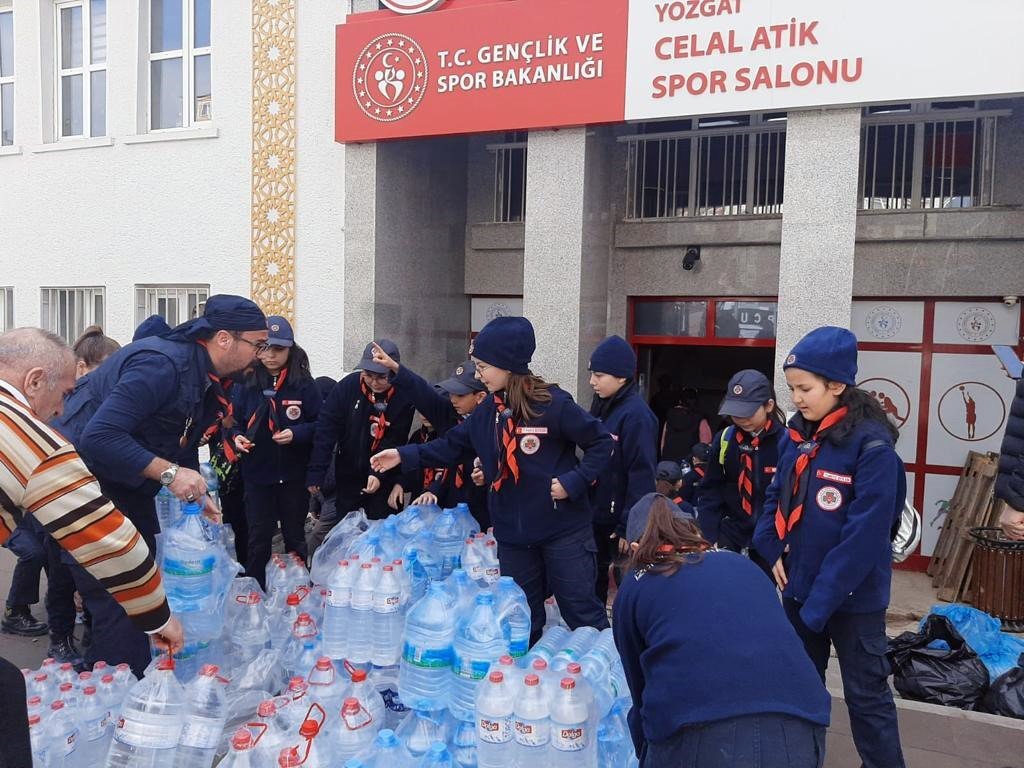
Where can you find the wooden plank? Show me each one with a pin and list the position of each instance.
(977, 511)
(950, 527)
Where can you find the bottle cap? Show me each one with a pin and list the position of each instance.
(389, 569)
(33, 720)
(267, 708)
(496, 677)
(309, 729)
(367, 565)
(107, 679)
(122, 667)
(209, 670)
(573, 668)
(85, 676)
(358, 675)
(242, 739)
(568, 683)
(99, 666)
(57, 705)
(49, 662)
(506, 661)
(293, 599)
(289, 758)
(166, 664)
(42, 677)
(350, 706)
(35, 701)
(531, 679)
(65, 687)
(89, 690)
(66, 666)
(323, 663)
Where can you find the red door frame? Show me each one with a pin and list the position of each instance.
(926, 348)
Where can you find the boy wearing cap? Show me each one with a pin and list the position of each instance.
(731, 495)
(700, 456)
(365, 413)
(276, 410)
(668, 480)
(463, 392)
(634, 427)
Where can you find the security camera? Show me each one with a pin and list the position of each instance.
(691, 258)
(1011, 301)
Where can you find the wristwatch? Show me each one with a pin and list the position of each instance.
(167, 476)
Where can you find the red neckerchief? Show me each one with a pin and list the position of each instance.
(505, 427)
(808, 450)
(700, 471)
(745, 482)
(271, 404)
(221, 388)
(378, 415)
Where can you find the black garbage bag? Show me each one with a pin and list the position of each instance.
(952, 677)
(1006, 694)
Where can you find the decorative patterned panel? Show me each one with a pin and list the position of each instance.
(273, 156)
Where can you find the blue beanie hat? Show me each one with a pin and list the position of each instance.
(828, 351)
(506, 342)
(615, 357)
(154, 325)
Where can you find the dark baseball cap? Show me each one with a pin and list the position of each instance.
(463, 381)
(636, 521)
(669, 471)
(747, 391)
(280, 332)
(367, 363)
(702, 452)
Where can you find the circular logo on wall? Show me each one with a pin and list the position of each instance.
(498, 309)
(390, 78)
(411, 6)
(883, 322)
(971, 411)
(893, 398)
(975, 324)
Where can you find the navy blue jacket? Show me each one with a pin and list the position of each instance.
(524, 513)
(1010, 480)
(343, 428)
(707, 643)
(722, 519)
(137, 406)
(692, 481)
(840, 552)
(268, 463)
(630, 473)
(439, 411)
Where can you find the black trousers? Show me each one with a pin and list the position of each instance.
(115, 639)
(27, 543)
(15, 746)
(565, 566)
(233, 506)
(861, 644)
(267, 506)
(607, 553)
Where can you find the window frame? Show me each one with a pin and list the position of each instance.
(8, 80)
(6, 308)
(511, 165)
(146, 294)
(86, 71)
(85, 293)
(188, 54)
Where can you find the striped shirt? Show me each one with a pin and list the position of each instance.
(41, 474)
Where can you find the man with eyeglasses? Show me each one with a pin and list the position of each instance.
(365, 413)
(138, 423)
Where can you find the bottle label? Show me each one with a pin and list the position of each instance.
(387, 603)
(69, 743)
(492, 574)
(202, 732)
(339, 598)
(517, 648)
(191, 566)
(476, 572)
(152, 733)
(428, 658)
(494, 730)
(470, 669)
(532, 733)
(569, 738)
(95, 728)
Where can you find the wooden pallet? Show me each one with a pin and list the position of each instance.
(972, 505)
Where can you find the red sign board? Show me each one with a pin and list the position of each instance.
(473, 67)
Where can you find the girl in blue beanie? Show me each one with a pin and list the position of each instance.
(827, 527)
(526, 434)
(630, 475)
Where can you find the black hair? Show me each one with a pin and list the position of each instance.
(298, 370)
(860, 407)
(776, 414)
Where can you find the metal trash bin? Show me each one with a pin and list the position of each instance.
(997, 580)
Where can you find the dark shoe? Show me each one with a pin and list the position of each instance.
(18, 620)
(87, 635)
(63, 650)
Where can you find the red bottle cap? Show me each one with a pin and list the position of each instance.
(568, 683)
(241, 740)
(573, 668)
(90, 690)
(358, 675)
(107, 679)
(531, 679)
(293, 599)
(540, 665)
(209, 670)
(165, 664)
(267, 708)
(506, 661)
(496, 677)
(323, 663)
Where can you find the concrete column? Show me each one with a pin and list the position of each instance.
(819, 223)
(360, 228)
(568, 241)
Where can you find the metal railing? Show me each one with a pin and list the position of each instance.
(509, 181)
(67, 312)
(705, 173)
(174, 303)
(910, 163)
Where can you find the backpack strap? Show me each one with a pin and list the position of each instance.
(723, 443)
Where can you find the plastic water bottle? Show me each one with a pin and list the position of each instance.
(463, 590)
(124, 677)
(151, 720)
(531, 724)
(570, 728)
(447, 530)
(421, 729)
(168, 508)
(43, 687)
(552, 616)
(514, 612)
(391, 542)
(189, 562)
(494, 707)
(614, 746)
(206, 711)
(478, 643)
(242, 753)
(312, 750)
(464, 743)
(361, 633)
(325, 684)
(409, 522)
(437, 756)
(37, 738)
(550, 643)
(597, 665)
(579, 643)
(405, 582)
(355, 731)
(366, 694)
(492, 569)
(473, 560)
(338, 611)
(306, 660)
(298, 698)
(387, 620)
(94, 737)
(275, 734)
(417, 577)
(62, 735)
(111, 697)
(425, 668)
(248, 631)
(387, 752)
(276, 579)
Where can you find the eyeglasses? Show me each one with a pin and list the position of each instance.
(259, 346)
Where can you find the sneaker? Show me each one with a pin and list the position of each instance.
(63, 650)
(18, 620)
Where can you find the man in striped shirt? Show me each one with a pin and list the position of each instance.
(42, 475)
